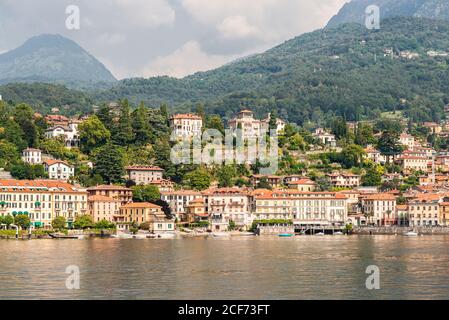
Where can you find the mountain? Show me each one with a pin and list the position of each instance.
(337, 71)
(53, 59)
(354, 11)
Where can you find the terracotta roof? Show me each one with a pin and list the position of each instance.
(140, 205)
(108, 187)
(186, 116)
(181, 192)
(381, 196)
(302, 181)
(103, 199)
(144, 168)
(401, 207)
(52, 162)
(41, 185)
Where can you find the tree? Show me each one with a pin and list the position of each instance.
(225, 176)
(22, 220)
(109, 164)
(104, 224)
(141, 125)
(58, 223)
(339, 128)
(272, 124)
(364, 135)
(104, 114)
(123, 131)
(25, 171)
(352, 156)
(8, 154)
(199, 179)
(372, 177)
(215, 122)
(263, 184)
(323, 184)
(389, 144)
(93, 134)
(8, 220)
(24, 116)
(83, 222)
(145, 193)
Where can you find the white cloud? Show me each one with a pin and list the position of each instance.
(267, 20)
(188, 59)
(237, 27)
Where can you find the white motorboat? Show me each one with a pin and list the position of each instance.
(338, 233)
(319, 234)
(411, 234)
(220, 235)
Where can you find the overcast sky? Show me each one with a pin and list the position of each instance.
(143, 38)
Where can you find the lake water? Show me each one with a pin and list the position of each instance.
(304, 267)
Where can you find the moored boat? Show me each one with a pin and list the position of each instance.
(286, 235)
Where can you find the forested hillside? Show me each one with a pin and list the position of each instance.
(344, 71)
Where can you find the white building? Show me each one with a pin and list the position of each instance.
(32, 156)
(325, 138)
(58, 170)
(186, 125)
(179, 200)
(407, 140)
(253, 127)
(70, 134)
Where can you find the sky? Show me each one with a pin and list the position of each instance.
(145, 38)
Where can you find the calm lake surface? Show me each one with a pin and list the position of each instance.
(304, 267)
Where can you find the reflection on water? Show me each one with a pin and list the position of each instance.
(238, 268)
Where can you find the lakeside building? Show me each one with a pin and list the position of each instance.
(42, 200)
(196, 212)
(179, 200)
(103, 208)
(227, 204)
(144, 212)
(424, 210)
(32, 156)
(186, 125)
(444, 212)
(59, 170)
(122, 194)
(380, 208)
(69, 133)
(144, 175)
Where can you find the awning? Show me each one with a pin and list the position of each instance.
(38, 224)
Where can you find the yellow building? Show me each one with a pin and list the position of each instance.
(103, 208)
(42, 200)
(139, 213)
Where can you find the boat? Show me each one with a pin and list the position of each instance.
(411, 234)
(122, 236)
(139, 236)
(286, 235)
(166, 236)
(319, 234)
(338, 233)
(62, 236)
(220, 234)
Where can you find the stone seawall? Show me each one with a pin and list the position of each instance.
(401, 230)
(275, 230)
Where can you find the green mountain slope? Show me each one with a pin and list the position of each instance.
(337, 71)
(354, 11)
(52, 58)
(43, 97)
